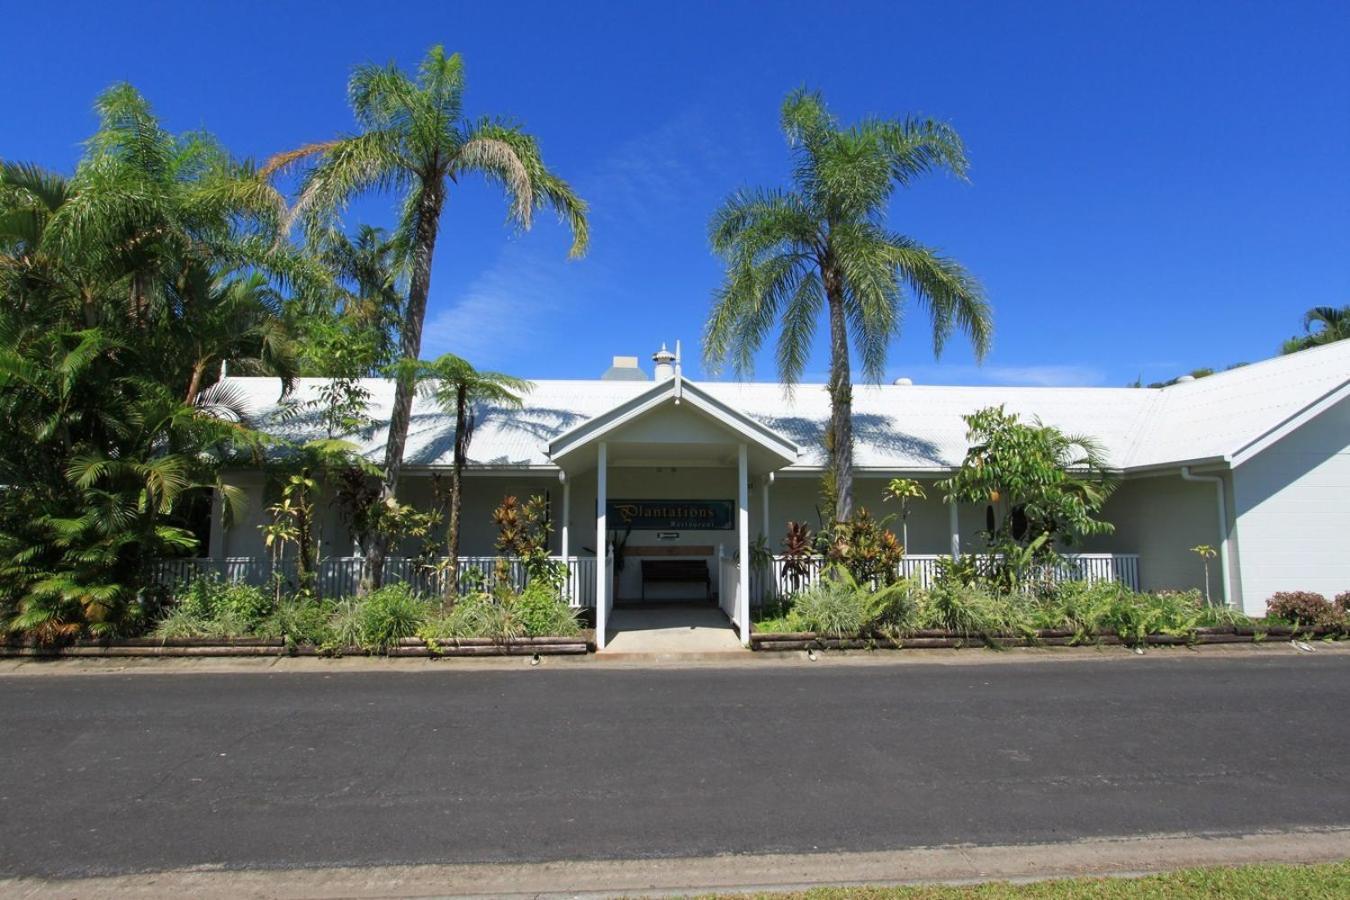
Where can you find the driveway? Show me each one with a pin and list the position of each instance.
(123, 773)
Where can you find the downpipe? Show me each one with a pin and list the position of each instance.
(1217, 481)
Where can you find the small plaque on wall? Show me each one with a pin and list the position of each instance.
(667, 535)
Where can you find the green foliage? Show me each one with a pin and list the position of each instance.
(865, 547)
(542, 612)
(125, 285)
(974, 610)
(820, 249)
(212, 607)
(798, 555)
(1045, 487)
(389, 614)
(840, 606)
(414, 139)
(1321, 325)
(475, 616)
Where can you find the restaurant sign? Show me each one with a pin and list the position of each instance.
(670, 515)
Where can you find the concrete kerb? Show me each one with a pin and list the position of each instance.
(956, 864)
(25, 666)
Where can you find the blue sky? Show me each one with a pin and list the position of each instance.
(1155, 187)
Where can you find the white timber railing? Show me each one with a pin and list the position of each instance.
(340, 576)
(778, 579)
(728, 588)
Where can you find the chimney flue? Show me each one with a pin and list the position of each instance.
(665, 363)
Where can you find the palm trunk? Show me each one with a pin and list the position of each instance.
(410, 347)
(841, 400)
(461, 454)
(195, 383)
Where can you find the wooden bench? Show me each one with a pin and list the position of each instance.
(676, 571)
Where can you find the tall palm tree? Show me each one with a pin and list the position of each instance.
(823, 246)
(456, 386)
(1321, 325)
(416, 141)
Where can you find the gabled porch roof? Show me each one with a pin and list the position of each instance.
(676, 419)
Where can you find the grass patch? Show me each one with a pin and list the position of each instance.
(1245, 882)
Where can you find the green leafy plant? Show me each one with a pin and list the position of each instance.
(1206, 553)
(541, 612)
(903, 490)
(389, 614)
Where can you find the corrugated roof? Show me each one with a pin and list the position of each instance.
(912, 427)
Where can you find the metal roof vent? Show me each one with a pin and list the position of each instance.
(903, 382)
(625, 368)
(664, 361)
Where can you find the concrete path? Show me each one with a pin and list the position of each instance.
(674, 628)
(113, 775)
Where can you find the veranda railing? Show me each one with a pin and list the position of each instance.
(774, 580)
(341, 575)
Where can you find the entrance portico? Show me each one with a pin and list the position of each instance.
(688, 446)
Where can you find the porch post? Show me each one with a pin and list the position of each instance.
(956, 530)
(216, 540)
(768, 537)
(601, 551)
(743, 540)
(566, 540)
(566, 516)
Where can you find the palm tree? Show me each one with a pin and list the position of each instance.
(456, 386)
(368, 264)
(416, 141)
(1331, 325)
(823, 246)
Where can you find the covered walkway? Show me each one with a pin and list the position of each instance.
(670, 628)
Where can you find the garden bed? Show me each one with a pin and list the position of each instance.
(938, 639)
(275, 647)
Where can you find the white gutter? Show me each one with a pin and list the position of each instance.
(1217, 481)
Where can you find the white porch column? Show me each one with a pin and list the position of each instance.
(601, 551)
(566, 516)
(565, 539)
(216, 540)
(956, 530)
(743, 541)
(768, 535)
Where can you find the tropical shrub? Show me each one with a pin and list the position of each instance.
(798, 555)
(301, 619)
(212, 607)
(541, 612)
(1300, 608)
(835, 606)
(1342, 602)
(839, 606)
(865, 547)
(478, 615)
(389, 614)
(974, 610)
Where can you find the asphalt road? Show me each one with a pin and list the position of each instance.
(110, 774)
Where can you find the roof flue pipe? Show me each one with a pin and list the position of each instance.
(665, 363)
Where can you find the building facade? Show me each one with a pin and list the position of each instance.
(1254, 461)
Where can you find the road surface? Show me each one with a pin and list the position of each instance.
(109, 774)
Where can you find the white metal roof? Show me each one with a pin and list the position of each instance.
(898, 428)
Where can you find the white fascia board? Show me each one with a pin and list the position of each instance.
(626, 412)
(1290, 425)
